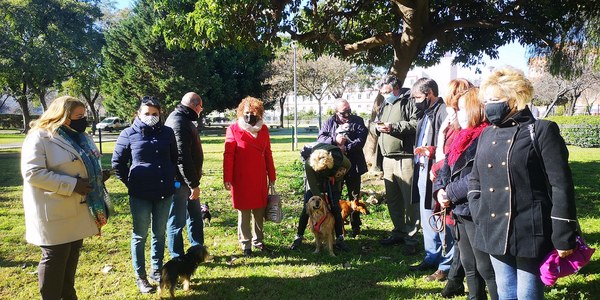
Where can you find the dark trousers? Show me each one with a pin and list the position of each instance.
(456, 274)
(56, 270)
(478, 266)
(335, 210)
(352, 183)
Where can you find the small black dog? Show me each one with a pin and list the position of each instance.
(205, 213)
(181, 267)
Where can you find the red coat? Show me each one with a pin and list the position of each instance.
(247, 162)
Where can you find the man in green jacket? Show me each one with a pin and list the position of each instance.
(396, 126)
(325, 166)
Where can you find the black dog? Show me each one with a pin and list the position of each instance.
(205, 213)
(182, 266)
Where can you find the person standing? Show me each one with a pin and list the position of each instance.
(438, 246)
(349, 133)
(190, 157)
(144, 159)
(63, 193)
(395, 126)
(451, 187)
(521, 192)
(247, 165)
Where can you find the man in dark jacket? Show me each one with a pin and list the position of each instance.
(348, 132)
(425, 95)
(395, 126)
(189, 171)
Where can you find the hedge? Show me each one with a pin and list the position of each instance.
(582, 131)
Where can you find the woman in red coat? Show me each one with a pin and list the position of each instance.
(247, 163)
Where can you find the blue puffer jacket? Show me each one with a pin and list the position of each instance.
(145, 160)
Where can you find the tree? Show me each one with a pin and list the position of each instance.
(43, 43)
(137, 63)
(279, 80)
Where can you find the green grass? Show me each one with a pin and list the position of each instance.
(369, 271)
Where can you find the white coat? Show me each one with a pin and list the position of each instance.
(54, 213)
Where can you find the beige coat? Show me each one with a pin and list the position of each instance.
(54, 214)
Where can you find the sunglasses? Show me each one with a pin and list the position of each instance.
(150, 100)
(345, 113)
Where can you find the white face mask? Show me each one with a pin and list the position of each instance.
(149, 120)
(462, 118)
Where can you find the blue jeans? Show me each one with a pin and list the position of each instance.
(142, 212)
(184, 211)
(432, 240)
(517, 277)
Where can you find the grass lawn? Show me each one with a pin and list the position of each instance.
(369, 271)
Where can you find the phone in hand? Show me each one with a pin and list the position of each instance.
(379, 123)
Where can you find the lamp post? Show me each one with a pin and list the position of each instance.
(295, 144)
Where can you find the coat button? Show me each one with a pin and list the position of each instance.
(159, 167)
(494, 143)
(504, 163)
(493, 215)
(492, 190)
(489, 165)
(161, 181)
(506, 214)
(156, 151)
(506, 188)
(508, 141)
(513, 123)
(163, 197)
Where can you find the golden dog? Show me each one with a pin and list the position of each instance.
(348, 207)
(321, 223)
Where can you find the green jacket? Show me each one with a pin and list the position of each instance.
(401, 140)
(316, 179)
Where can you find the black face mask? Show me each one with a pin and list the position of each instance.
(251, 119)
(496, 112)
(423, 105)
(79, 125)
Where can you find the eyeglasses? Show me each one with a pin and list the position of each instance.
(150, 100)
(346, 113)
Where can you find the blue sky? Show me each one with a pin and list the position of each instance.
(512, 54)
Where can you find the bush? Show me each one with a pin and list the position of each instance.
(582, 131)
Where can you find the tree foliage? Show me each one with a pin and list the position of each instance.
(43, 43)
(138, 63)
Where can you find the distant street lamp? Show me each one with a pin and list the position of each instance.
(295, 144)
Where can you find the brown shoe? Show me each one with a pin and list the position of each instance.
(439, 275)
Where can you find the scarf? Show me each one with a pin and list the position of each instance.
(90, 157)
(463, 140)
(253, 130)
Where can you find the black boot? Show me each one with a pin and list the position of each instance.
(453, 288)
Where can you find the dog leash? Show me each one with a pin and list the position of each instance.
(441, 215)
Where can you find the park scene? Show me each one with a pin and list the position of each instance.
(299, 58)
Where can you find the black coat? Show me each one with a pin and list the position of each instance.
(144, 159)
(455, 180)
(508, 195)
(436, 115)
(190, 155)
(357, 136)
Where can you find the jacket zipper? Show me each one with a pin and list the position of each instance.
(510, 194)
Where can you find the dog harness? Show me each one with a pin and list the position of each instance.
(317, 226)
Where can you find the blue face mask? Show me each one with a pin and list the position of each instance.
(391, 98)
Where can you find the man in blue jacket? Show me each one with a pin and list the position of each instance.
(349, 133)
(186, 202)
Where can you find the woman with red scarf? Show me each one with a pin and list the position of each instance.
(451, 188)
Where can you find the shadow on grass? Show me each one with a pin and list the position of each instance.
(587, 192)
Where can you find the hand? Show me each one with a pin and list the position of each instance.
(340, 140)
(432, 175)
(442, 198)
(385, 128)
(195, 194)
(564, 253)
(82, 187)
(423, 151)
(105, 175)
(227, 185)
(271, 183)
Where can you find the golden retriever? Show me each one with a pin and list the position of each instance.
(321, 223)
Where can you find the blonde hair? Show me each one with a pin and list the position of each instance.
(509, 82)
(320, 160)
(57, 113)
(254, 104)
(473, 107)
(456, 88)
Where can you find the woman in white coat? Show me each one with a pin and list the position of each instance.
(62, 193)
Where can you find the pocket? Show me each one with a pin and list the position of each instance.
(537, 218)
(58, 207)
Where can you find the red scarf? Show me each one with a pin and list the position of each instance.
(463, 140)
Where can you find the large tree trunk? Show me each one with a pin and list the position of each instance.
(281, 104)
(22, 100)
